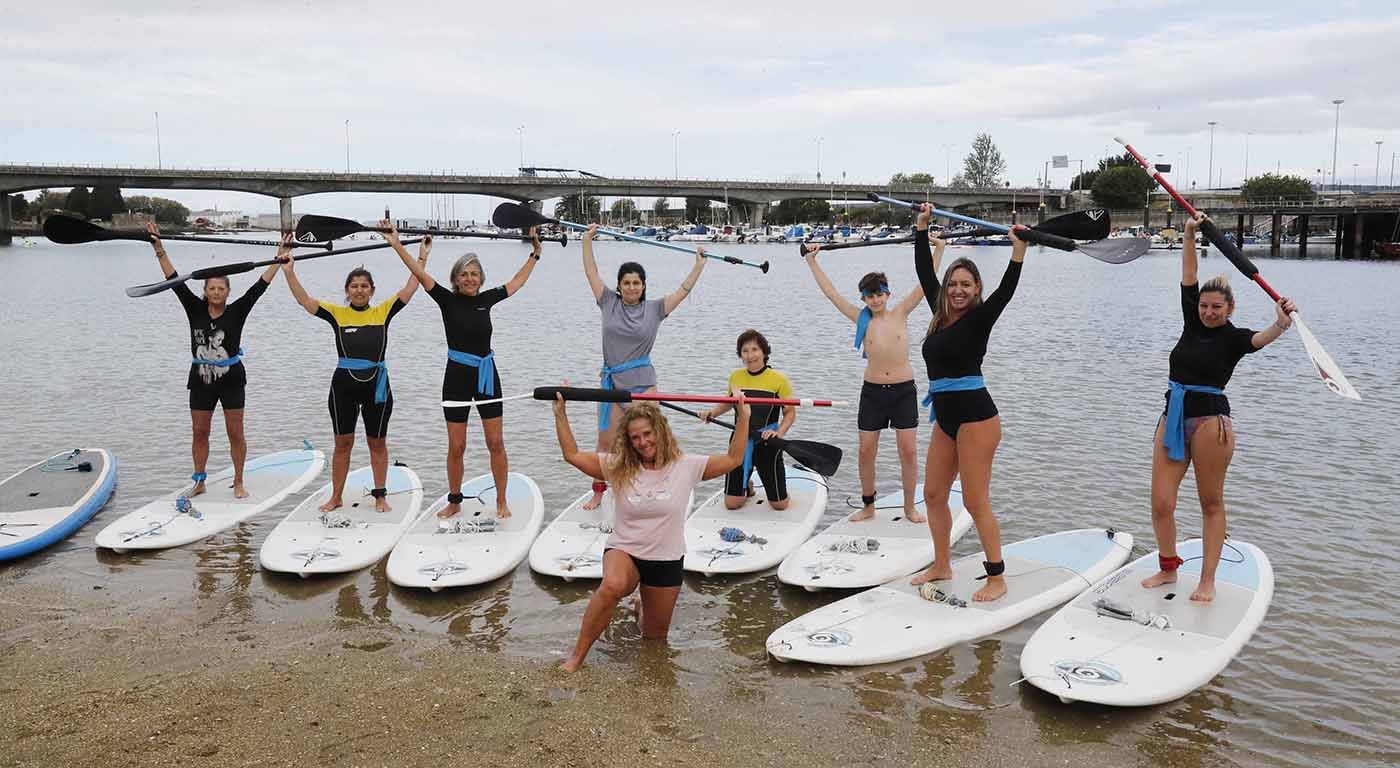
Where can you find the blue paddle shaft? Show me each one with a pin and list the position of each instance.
(662, 244)
(1029, 235)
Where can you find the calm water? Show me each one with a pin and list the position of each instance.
(1077, 367)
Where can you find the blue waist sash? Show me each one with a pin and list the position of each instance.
(381, 390)
(235, 360)
(1174, 432)
(862, 325)
(606, 411)
(748, 449)
(960, 384)
(485, 366)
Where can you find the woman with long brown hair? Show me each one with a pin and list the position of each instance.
(652, 482)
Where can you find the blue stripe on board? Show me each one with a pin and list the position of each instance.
(1244, 574)
(1076, 550)
(70, 524)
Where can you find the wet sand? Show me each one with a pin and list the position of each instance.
(94, 682)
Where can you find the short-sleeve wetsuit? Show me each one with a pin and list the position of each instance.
(767, 459)
(467, 321)
(955, 351)
(1206, 357)
(217, 338)
(361, 334)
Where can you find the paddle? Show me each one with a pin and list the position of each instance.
(68, 230)
(312, 228)
(519, 216)
(623, 396)
(819, 457)
(1116, 250)
(1091, 224)
(224, 270)
(1327, 369)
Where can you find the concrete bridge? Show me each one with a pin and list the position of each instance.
(285, 185)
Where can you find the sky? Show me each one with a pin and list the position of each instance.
(738, 90)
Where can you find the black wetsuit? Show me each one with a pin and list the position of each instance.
(361, 334)
(1206, 356)
(956, 350)
(217, 338)
(467, 321)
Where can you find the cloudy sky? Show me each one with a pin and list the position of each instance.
(755, 89)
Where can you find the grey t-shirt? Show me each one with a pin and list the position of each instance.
(629, 333)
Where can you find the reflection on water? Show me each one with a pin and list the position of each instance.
(1077, 365)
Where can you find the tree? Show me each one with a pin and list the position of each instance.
(984, 165)
(1086, 179)
(959, 182)
(46, 203)
(697, 209)
(582, 207)
(624, 210)
(1122, 187)
(918, 177)
(799, 211)
(661, 208)
(167, 213)
(1272, 187)
(19, 207)
(106, 200)
(78, 201)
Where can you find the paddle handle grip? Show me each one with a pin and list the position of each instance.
(584, 393)
(1046, 239)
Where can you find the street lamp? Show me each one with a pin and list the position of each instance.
(1210, 165)
(347, 146)
(1379, 142)
(819, 159)
(1336, 127)
(158, 161)
(947, 165)
(1245, 177)
(1354, 166)
(521, 130)
(676, 152)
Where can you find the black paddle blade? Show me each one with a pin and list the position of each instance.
(1115, 250)
(518, 216)
(1091, 224)
(68, 230)
(819, 457)
(319, 229)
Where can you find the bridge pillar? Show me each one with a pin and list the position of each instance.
(758, 212)
(1239, 231)
(5, 218)
(1276, 237)
(1339, 236)
(284, 205)
(1302, 235)
(1358, 237)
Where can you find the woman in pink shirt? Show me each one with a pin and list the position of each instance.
(651, 481)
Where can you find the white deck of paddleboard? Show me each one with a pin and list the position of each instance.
(1081, 656)
(268, 479)
(429, 558)
(571, 546)
(904, 547)
(303, 545)
(785, 530)
(39, 507)
(892, 622)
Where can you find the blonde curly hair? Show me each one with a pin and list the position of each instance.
(624, 462)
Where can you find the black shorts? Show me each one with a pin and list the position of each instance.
(954, 409)
(657, 573)
(888, 405)
(349, 399)
(459, 383)
(768, 462)
(205, 398)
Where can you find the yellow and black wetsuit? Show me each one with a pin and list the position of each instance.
(761, 456)
(361, 338)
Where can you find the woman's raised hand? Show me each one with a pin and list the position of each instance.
(925, 214)
(390, 233)
(590, 233)
(424, 248)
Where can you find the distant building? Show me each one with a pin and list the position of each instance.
(215, 219)
(130, 220)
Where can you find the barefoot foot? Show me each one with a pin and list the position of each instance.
(995, 588)
(594, 502)
(865, 514)
(1158, 579)
(334, 503)
(197, 489)
(382, 505)
(935, 572)
(571, 664)
(1205, 592)
(914, 516)
(502, 511)
(239, 492)
(450, 510)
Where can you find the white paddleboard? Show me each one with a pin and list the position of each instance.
(571, 546)
(304, 544)
(473, 546)
(1080, 655)
(46, 502)
(781, 531)
(892, 622)
(159, 525)
(843, 557)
